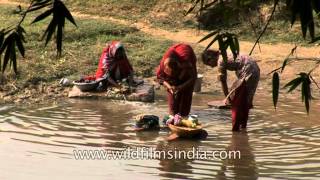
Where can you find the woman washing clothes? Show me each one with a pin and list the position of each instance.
(243, 90)
(113, 66)
(178, 72)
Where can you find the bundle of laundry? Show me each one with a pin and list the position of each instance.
(191, 121)
(146, 122)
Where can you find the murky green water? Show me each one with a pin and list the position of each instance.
(38, 142)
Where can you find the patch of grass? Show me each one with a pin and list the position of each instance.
(278, 31)
(169, 15)
(81, 48)
(124, 9)
(166, 14)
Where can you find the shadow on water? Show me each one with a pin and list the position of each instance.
(278, 144)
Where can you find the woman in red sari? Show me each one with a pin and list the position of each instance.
(178, 72)
(113, 65)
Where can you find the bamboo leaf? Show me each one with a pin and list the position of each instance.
(13, 57)
(189, 10)
(42, 16)
(21, 30)
(294, 6)
(306, 92)
(7, 55)
(208, 5)
(284, 64)
(311, 29)
(59, 37)
(20, 45)
(38, 7)
(303, 27)
(192, 8)
(10, 51)
(293, 83)
(222, 49)
(306, 16)
(208, 36)
(5, 44)
(214, 40)
(1, 37)
(232, 47)
(60, 13)
(67, 14)
(40, 2)
(275, 88)
(50, 30)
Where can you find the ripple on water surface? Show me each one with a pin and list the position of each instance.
(279, 144)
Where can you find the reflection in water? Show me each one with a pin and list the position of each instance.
(245, 167)
(177, 168)
(278, 145)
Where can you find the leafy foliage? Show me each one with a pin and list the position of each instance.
(225, 40)
(305, 10)
(1, 38)
(13, 39)
(59, 13)
(275, 88)
(9, 41)
(304, 80)
(39, 4)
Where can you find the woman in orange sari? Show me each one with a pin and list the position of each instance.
(178, 72)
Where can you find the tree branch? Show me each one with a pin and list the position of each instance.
(266, 26)
(315, 67)
(315, 82)
(255, 32)
(25, 13)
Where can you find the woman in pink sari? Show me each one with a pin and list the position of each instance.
(243, 90)
(177, 72)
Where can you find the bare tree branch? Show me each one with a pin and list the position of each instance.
(266, 26)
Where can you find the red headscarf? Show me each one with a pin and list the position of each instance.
(183, 52)
(108, 63)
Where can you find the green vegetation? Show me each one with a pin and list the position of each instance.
(170, 15)
(82, 48)
(159, 13)
(83, 45)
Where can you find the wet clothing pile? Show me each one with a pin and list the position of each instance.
(146, 122)
(191, 121)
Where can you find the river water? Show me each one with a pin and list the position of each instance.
(39, 142)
